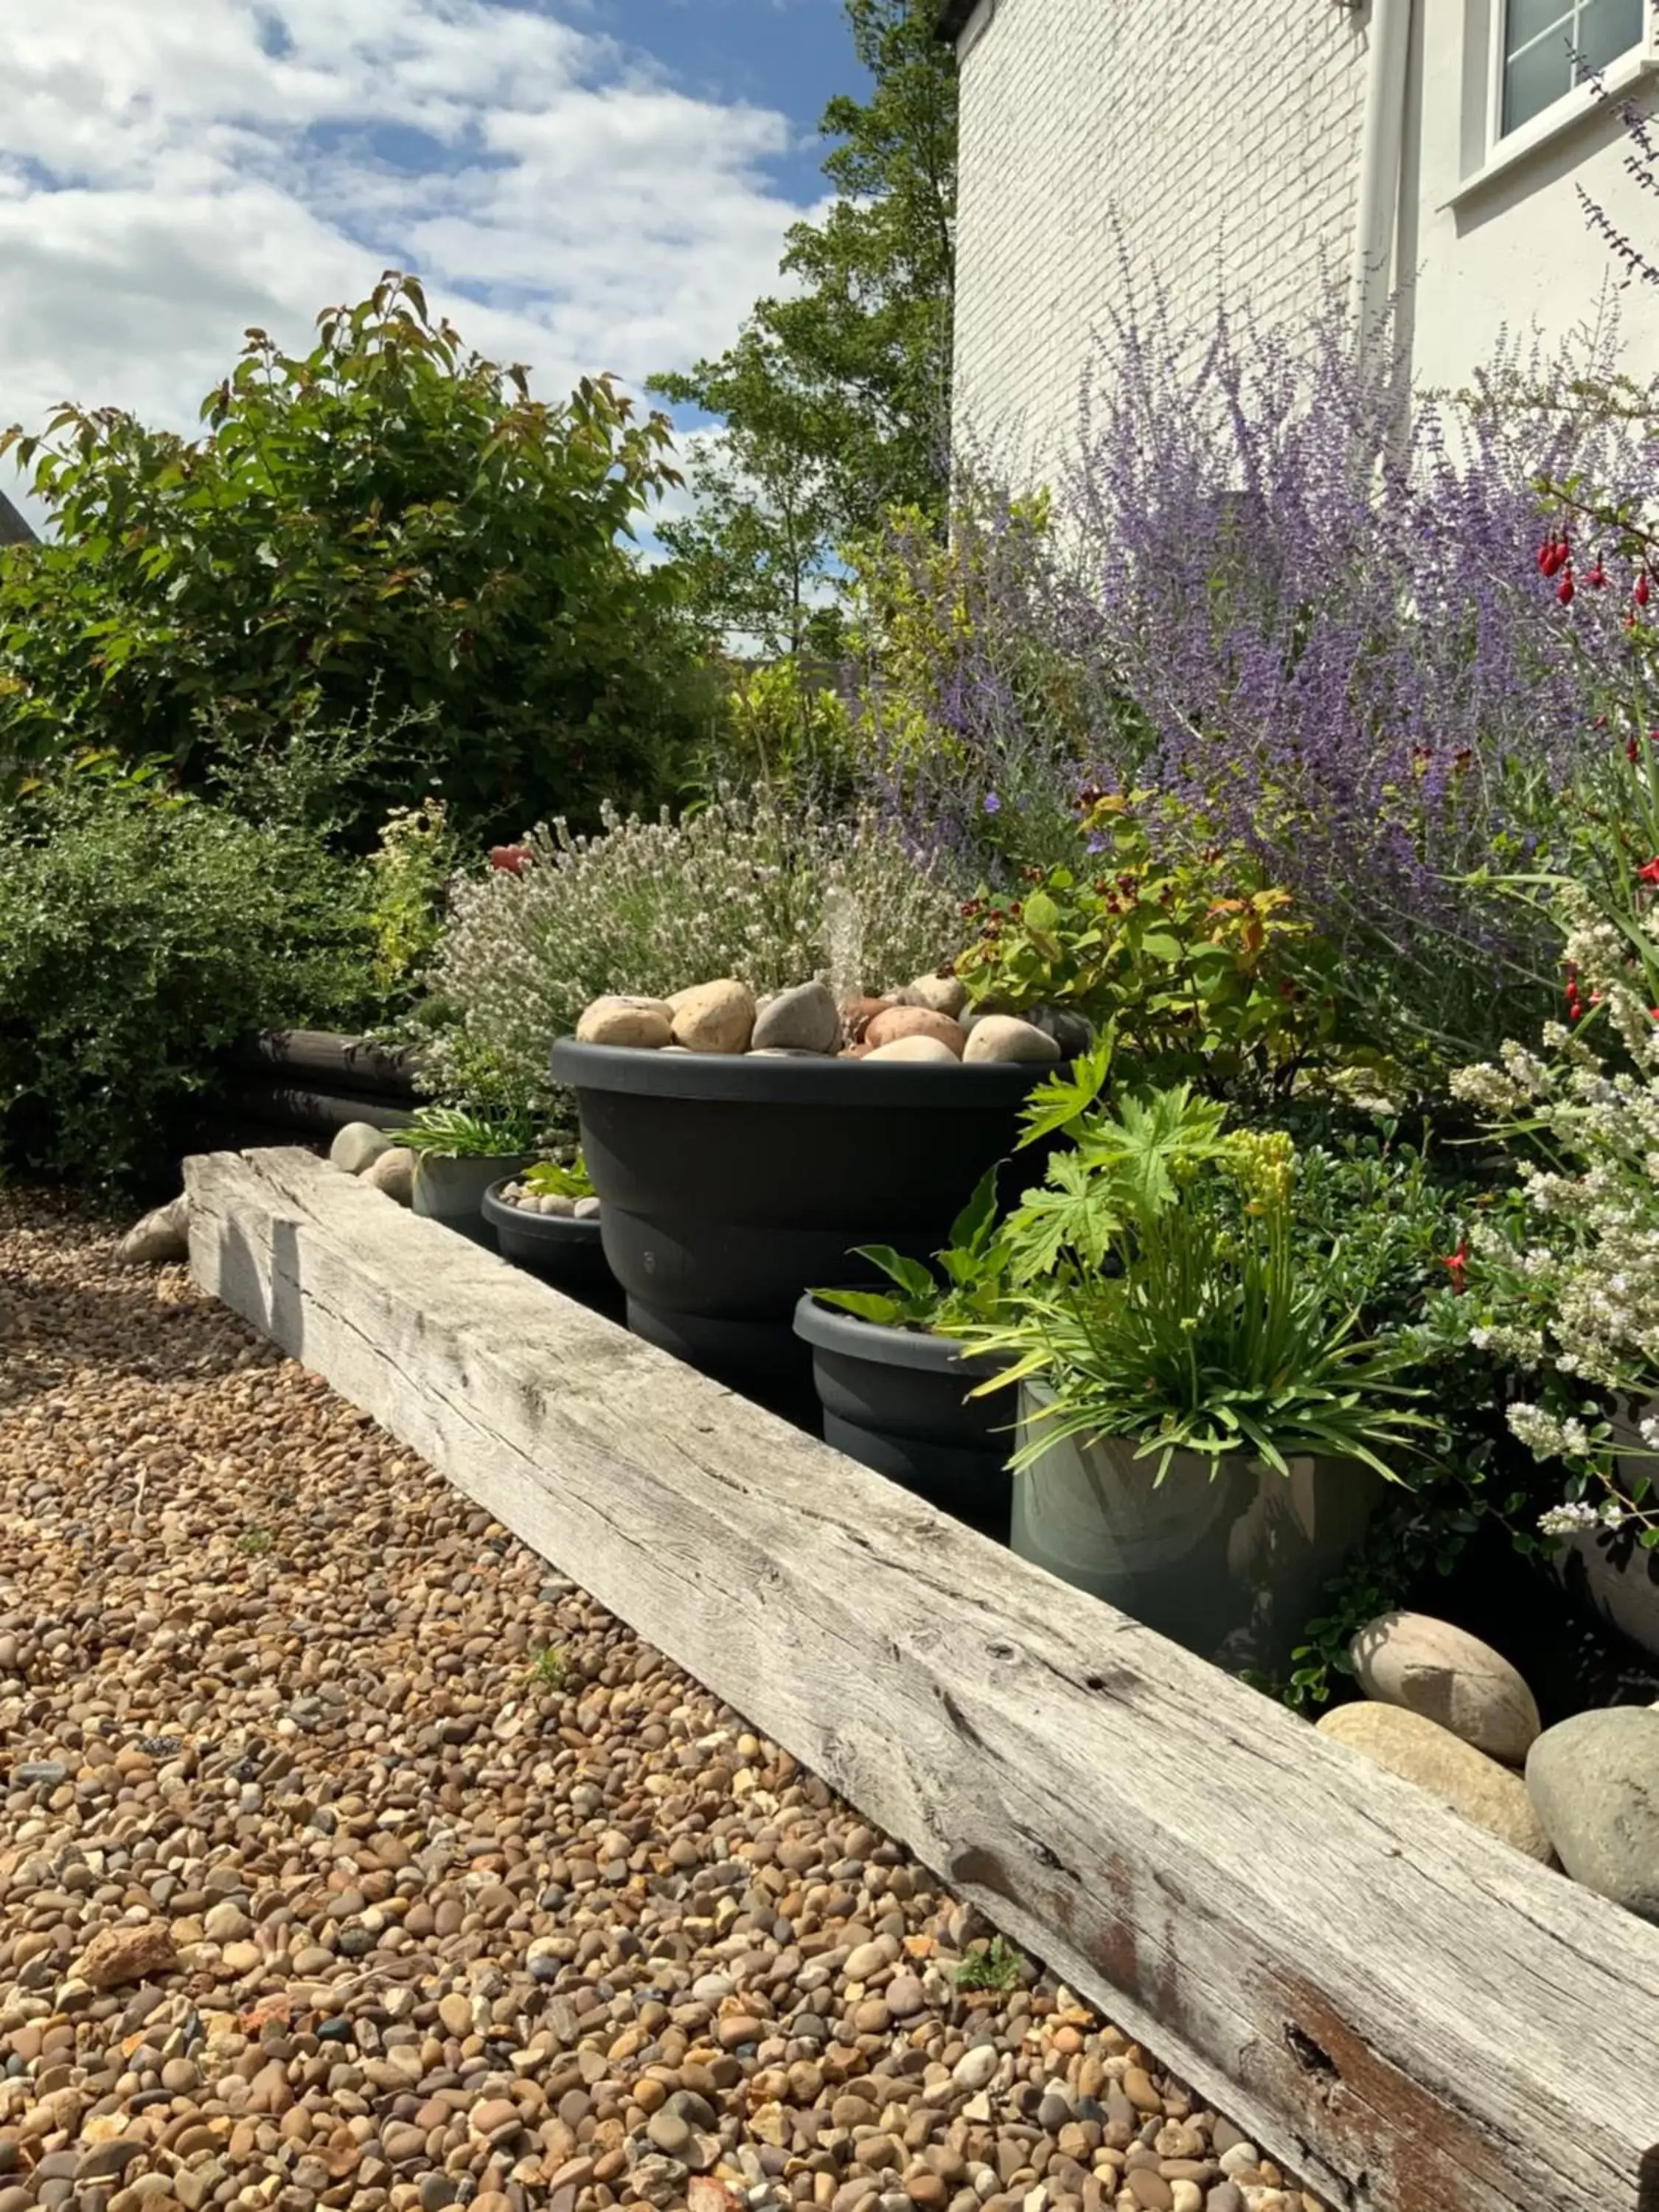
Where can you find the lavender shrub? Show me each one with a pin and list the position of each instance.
(1315, 617)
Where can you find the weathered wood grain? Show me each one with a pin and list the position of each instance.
(1409, 2014)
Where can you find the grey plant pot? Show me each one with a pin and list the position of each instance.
(1231, 1564)
(1607, 1571)
(899, 1400)
(452, 1191)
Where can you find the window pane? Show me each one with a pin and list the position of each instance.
(1607, 28)
(1527, 18)
(1535, 78)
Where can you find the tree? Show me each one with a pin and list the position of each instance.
(387, 525)
(835, 399)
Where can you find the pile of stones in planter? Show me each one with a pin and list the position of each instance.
(926, 1021)
(1443, 1709)
(550, 1202)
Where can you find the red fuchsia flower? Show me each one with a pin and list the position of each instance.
(1553, 554)
(1641, 593)
(1456, 1265)
(1564, 590)
(1650, 874)
(509, 859)
(1597, 576)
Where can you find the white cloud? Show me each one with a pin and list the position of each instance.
(172, 171)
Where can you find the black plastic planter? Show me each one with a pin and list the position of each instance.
(557, 1249)
(897, 1399)
(731, 1184)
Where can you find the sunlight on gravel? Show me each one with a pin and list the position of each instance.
(350, 1855)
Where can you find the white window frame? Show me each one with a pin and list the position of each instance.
(1505, 149)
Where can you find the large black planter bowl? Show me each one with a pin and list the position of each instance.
(732, 1183)
(557, 1249)
(897, 1400)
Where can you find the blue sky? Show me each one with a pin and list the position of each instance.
(585, 184)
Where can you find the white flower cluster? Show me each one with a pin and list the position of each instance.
(1583, 1290)
(1572, 1520)
(767, 888)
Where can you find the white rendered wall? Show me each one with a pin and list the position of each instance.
(1514, 251)
(1222, 135)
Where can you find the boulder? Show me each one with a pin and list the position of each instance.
(925, 1049)
(160, 1236)
(1462, 1777)
(940, 992)
(896, 1021)
(1594, 1781)
(392, 1172)
(358, 1146)
(1005, 1036)
(714, 1017)
(1450, 1677)
(803, 1020)
(644, 1023)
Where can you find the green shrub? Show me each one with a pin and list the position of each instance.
(386, 520)
(140, 933)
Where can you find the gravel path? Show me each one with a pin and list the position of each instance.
(349, 1856)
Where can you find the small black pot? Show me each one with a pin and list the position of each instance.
(731, 1184)
(555, 1248)
(897, 1399)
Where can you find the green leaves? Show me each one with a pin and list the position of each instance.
(974, 1266)
(389, 524)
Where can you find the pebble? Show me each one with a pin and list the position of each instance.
(927, 1050)
(1004, 1037)
(898, 1022)
(803, 1020)
(1478, 1788)
(712, 1017)
(641, 1023)
(357, 1146)
(1435, 1668)
(941, 994)
(517, 1937)
(393, 1174)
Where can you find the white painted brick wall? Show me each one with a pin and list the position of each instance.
(1222, 134)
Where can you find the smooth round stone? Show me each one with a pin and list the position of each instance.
(644, 1024)
(716, 1017)
(804, 1018)
(1594, 1781)
(392, 1173)
(358, 1145)
(927, 1049)
(1462, 1779)
(915, 1022)
(1005, 1036)
(556, 1202)
(1431, 1667)
(940, 994)
(588, 1209)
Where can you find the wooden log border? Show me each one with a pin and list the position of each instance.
(1409, 2014)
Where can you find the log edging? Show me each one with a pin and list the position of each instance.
(1409, 2014)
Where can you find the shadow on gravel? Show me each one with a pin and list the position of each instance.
(66, 1307)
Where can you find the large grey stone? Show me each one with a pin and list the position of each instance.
(1443, 1764)
(940, 994)
(1594, 1781)
(160, 1236)
(358, 1146)
(803, 1020)
(1450, 1677)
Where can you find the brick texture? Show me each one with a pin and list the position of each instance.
(1211, 144)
